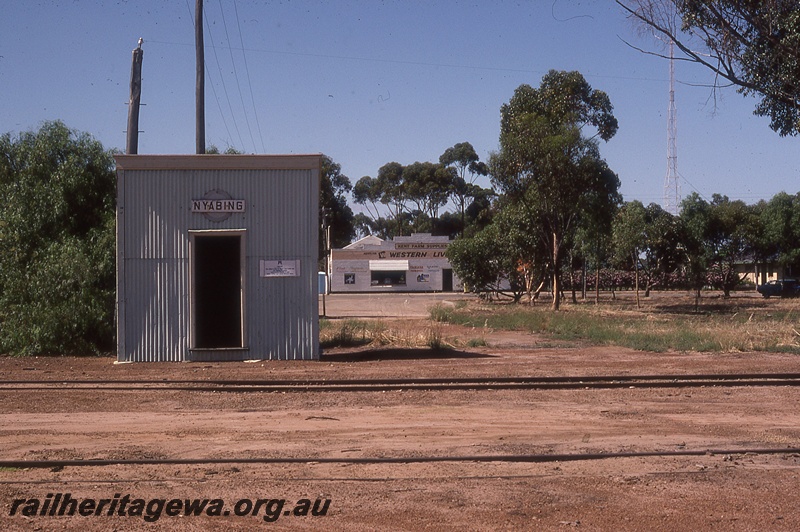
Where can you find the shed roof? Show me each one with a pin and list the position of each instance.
(219, 162)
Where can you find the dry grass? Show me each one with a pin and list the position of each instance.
(397, 333)
(664, 322)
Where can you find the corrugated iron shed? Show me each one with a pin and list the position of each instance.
(207, 242)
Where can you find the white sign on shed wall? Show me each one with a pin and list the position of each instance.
(279, 268)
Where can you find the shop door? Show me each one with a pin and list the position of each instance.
(447, 280)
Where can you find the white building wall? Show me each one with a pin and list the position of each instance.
(360, 266)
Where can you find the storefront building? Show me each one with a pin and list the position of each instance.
(416, 263)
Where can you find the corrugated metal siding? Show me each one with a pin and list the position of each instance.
(154, 222)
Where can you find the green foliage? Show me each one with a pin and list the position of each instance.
(629, 238)
(484, 262)
(411, 194)
(548, 166)
(427, 185)
(716, 237)
(463, 158)
(477, 342)
(780, 222)
(628, 233)
(334, 212)
(440, 313)
(662, 251)
(728, 240)
(406, 199)
(753, 45)
(385, 191)
(57, 273)
(230, 150)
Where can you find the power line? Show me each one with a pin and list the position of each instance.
(222, 77)
(249, 83)
(225, 90)
(236, 76)
(421, 63)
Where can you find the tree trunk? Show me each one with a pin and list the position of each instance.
(636, 282)
(597, 285)
(539, 289)
(583, 280)
(528, 274)
(572, 277)
(556, 284)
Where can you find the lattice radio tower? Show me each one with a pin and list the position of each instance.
(672, 194)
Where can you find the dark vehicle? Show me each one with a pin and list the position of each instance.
(780, 288)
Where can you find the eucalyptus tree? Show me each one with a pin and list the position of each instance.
(527, 259)
(694, 219)
(384, 192)
(427, 186)
(728, 241)
(337, 221)
(489, 262)
(411, 195)
(629, 238)
(780, 218)
(468, 166)
(549, 166)
(662, 251)
(367, 194)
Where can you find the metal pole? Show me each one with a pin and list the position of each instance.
(325, 244)
(200, 95)
(132, 137)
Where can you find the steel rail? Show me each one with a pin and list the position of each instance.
(372, 385)
(516, 458)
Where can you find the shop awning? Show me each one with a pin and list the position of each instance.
(388, 265)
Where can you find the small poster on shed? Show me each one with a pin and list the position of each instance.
(279, 268)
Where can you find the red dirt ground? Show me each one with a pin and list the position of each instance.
(712, 491)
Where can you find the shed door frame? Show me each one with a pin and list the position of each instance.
(193, 297)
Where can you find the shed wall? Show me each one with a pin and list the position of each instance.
(154, 221)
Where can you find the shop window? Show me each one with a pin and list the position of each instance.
(388, 278)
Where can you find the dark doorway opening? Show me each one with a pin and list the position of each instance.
(447, 280)
(217, 291)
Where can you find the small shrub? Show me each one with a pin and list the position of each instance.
(434, 338)
(440, 313)
(346, 333)
(477, 342)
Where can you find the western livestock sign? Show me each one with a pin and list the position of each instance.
(358, 254)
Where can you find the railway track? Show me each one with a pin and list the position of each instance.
(515, 458)
(383, 385)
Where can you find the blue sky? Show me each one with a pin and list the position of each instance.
(369, 82)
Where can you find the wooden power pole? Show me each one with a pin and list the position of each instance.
(132, 136)
(200, 92)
